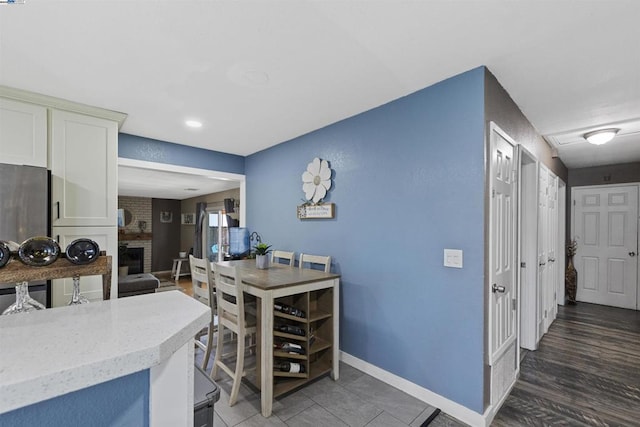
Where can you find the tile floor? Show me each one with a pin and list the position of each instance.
(356, 399)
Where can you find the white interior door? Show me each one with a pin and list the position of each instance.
(502, 258)
(528, 246)
(543, 236)
(551, 308)
(605, 226)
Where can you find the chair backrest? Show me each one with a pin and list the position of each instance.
(230, 295)
(201, 275)
(315, 259)
(289, 256)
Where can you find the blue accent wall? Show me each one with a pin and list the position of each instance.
(153, 150)
(120, 402)
(408, 182)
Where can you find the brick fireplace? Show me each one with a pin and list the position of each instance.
(132, 235)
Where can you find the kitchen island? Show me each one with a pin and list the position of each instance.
(65, 353)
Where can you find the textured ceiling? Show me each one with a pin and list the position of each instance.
(257, 73)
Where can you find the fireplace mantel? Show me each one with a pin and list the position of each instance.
(134, 236)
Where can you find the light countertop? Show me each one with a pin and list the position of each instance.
(52, 352)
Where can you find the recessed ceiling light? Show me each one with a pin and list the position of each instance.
(193, 123)
(602, 136)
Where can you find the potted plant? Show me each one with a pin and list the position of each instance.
(262, 258)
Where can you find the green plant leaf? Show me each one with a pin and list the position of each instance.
(262, 249)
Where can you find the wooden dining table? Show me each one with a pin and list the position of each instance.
(278, 281)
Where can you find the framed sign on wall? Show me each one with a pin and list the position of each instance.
(188, 219)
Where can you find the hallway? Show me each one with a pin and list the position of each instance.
(586, 372)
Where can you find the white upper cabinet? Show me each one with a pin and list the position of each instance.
(83, 162)
(23, 133)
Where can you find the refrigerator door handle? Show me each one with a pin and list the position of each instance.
(58, 209)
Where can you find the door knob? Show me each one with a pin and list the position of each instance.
(632, 254)
(495, 288)
(551, 260)
(542, 263)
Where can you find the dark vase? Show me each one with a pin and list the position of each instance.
(571, 282)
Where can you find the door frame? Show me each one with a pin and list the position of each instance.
(528, 171)
(561, 257)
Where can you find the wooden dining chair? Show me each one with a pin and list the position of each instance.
(233, 317)
(324, 261)
(204, 291)
(276, 256)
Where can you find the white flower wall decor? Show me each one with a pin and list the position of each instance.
(316, 181)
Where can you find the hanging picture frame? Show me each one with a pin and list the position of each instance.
(166, 217)
(188, 219)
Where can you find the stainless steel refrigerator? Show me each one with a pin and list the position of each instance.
(24, 213)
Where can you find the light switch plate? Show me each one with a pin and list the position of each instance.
(453, 258)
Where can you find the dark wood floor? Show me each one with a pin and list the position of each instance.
(585, 373)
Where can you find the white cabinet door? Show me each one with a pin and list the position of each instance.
(84, 155)
(90, 286)
(23, 133)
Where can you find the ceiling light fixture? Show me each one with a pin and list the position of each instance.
(193, 123)
(602, 136)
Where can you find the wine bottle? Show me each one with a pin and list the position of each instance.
(290, 329)
(288, 347)
(82, 251)
(287, 309)
(39, 251)
(285, 366)
(5, 253)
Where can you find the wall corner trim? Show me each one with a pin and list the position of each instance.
(452, 408)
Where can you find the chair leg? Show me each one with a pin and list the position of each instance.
(239, 371)
(207, 353)
(219, 347)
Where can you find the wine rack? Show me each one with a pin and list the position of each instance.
(317, 343)
(15, 272)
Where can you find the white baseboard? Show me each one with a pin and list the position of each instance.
(452, 408)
